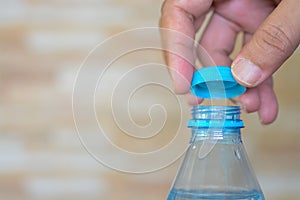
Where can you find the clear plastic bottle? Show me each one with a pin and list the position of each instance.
(215, 165)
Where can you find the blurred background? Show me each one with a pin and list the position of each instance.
(42, 45)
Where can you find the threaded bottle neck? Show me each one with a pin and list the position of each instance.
(217, 117)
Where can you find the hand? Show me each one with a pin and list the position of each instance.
(271, 34)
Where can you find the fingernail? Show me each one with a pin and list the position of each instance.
(246, 72)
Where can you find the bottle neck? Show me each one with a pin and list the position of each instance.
(228, 135)
(216, 122)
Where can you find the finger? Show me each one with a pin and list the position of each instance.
(179, 16)
(269, 106)
(250, 100)
(218, 40)
(270, 46)
(247, 37)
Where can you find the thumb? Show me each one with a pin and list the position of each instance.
(273, 42)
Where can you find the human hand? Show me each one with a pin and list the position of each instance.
(271, 34)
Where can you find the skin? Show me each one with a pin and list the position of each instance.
(271, 32)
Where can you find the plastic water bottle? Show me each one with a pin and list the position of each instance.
(215, 165)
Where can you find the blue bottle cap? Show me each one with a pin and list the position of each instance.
(215, 82)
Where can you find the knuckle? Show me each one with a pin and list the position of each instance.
(273, 39)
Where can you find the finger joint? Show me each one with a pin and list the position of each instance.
(273, 39)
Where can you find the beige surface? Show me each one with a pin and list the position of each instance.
(42, 44)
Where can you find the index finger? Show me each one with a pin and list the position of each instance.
(181, 17)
